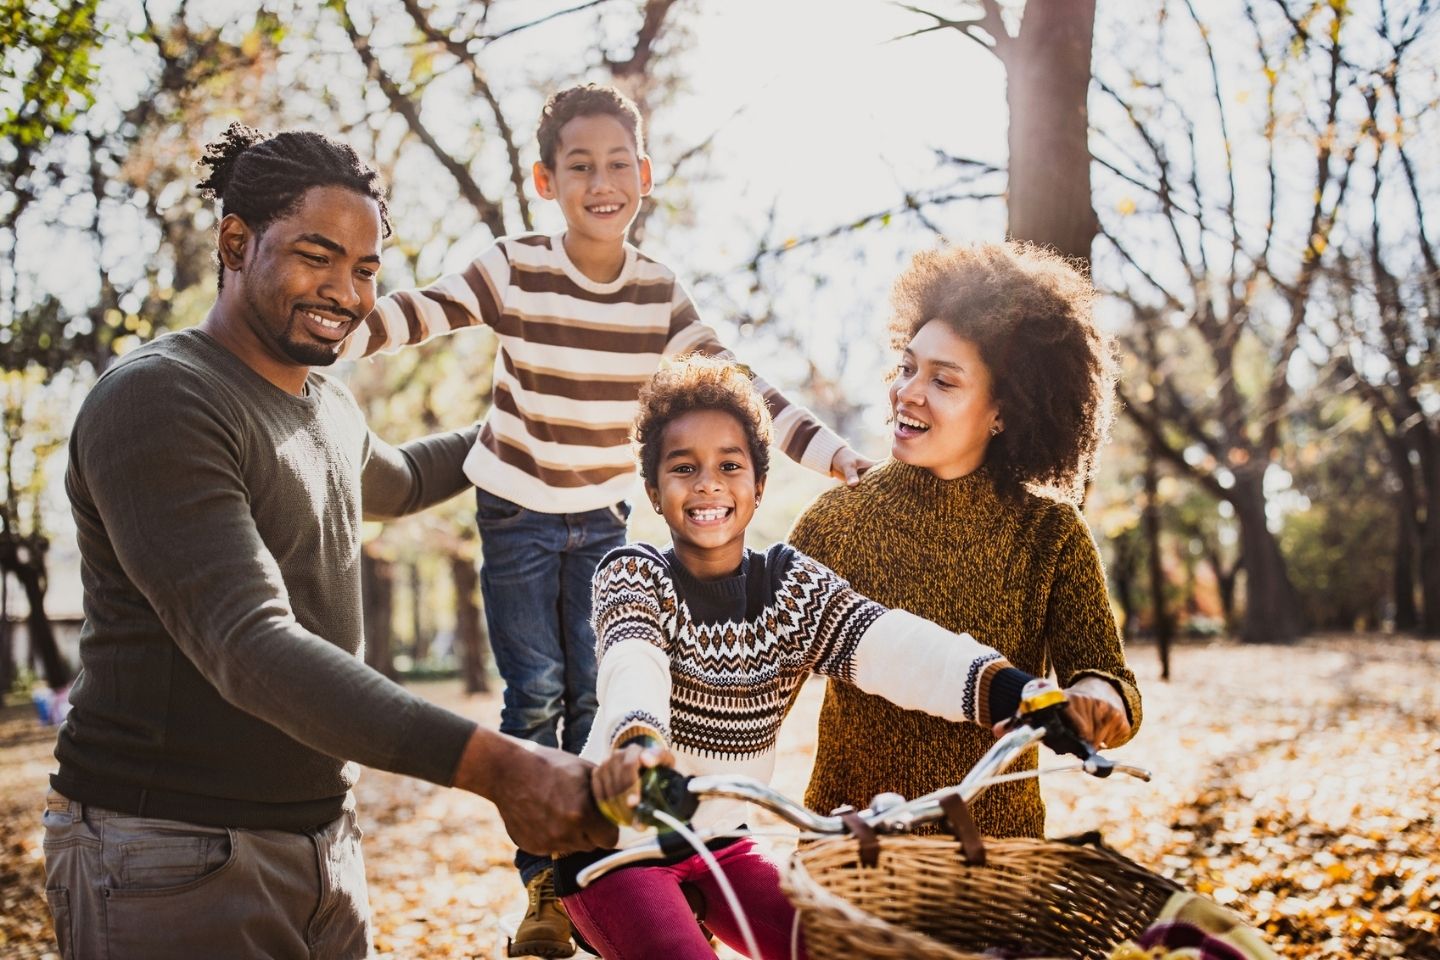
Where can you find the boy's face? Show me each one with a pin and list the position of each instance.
(706, 489)
(598, 180)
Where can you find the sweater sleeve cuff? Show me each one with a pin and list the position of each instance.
(432, 748)
(1128, 693)
(637, 732)
(820, 451)
(1000, 692)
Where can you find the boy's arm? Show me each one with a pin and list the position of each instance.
(455, 301)
(798, 432)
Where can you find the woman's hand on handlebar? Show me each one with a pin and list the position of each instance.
(1097, 712)
(615, 782)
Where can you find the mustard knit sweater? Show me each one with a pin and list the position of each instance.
(1021, 575)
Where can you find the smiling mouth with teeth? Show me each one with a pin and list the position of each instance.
(708, 514)
(605, 208)
(905, 421)
(326, 322)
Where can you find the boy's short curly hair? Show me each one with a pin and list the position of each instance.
(586, 100)
(1028, 312)
(694, 383)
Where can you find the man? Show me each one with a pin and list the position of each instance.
(201, 806)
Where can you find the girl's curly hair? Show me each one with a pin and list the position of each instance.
(1028, 311)
(694, 383)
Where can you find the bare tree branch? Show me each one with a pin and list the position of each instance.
(481, 84)
(990, 22)
(488, 210)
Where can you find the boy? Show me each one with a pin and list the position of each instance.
(584, 320)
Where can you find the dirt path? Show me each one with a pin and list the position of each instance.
(1294, 784)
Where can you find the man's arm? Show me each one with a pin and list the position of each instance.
(454, 302)
(798, 432)
(399, 481)
(157, 462)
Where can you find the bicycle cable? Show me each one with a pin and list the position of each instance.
(751, 945)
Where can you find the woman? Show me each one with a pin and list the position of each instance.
(1001, 398)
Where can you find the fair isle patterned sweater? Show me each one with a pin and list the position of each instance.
(572, 357)
(710, 666)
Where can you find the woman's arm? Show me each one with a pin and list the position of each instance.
(1080, 634)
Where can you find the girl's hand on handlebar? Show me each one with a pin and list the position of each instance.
(616, 781)
(1098, 712)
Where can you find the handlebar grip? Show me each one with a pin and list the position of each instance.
(668, 791)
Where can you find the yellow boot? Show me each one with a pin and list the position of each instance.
(545, 931)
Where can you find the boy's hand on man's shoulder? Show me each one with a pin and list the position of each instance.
(848, 465)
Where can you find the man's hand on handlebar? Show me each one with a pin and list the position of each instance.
(543, 794)
(616, 781)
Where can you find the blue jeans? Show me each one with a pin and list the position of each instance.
(535, 576)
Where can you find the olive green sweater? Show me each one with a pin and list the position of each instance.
(218, 519)
(1021, 575)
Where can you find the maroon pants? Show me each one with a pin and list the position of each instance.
(641, 913)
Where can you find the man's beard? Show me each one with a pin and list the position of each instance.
(304, 353)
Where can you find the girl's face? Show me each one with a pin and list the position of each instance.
(706, 490)
(941, 404)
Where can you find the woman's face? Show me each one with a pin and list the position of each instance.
(941, 404)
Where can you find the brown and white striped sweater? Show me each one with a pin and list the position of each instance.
(572, 358)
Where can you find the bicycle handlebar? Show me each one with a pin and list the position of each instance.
(1041, 718)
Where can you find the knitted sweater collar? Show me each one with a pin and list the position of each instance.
(946, 498)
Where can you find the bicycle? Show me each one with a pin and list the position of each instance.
(858, 896)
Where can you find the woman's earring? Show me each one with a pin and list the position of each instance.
(994, 430)
(656, 505)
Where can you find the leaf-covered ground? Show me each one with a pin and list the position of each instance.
(1295, 785)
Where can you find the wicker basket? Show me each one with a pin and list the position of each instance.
(1056, 900)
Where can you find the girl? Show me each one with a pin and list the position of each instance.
(701, 646)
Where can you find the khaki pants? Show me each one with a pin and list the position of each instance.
(123, 887)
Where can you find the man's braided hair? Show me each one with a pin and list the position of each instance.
(261, 177)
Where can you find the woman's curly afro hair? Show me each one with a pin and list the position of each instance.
(1028, 311)
(694, 383)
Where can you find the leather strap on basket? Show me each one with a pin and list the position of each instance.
(962, 824)
(865, 837)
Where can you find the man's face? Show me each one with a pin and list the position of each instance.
(309, 278)
(598, 180)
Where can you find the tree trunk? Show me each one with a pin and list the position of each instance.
(420, 632)
(377, 579)
(1122, 574)
(1407, 538)
(1225, 582)
(8, 671)
(470, 640)
(1150, 518)
(1048, 82)
(1430, 557)
(25, 559)
(1272, 608)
